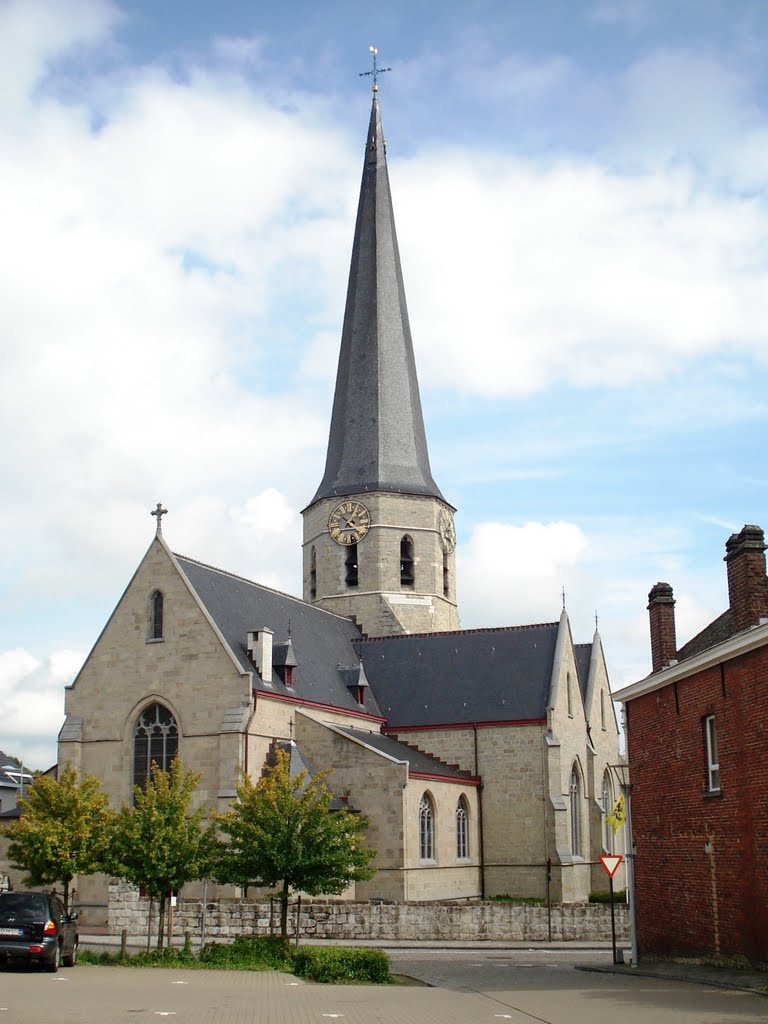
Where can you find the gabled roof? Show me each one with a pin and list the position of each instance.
(419, 763)
(483, 675)
(320, 640)
(377, 440)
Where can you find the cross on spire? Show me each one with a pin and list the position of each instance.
(159, 512)
(375, 71)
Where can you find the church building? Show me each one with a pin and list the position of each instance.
(480, 756)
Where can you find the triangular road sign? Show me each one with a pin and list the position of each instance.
(610, 862)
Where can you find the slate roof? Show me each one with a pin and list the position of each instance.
(320, 640)
(483, 675)
(418, 761)
(718, 630)
(377, 440)
(583, 655)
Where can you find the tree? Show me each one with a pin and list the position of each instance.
(63, 830)
(157, 844)
(282, 832)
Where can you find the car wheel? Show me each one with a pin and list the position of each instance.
(70, 959)
(52, 965)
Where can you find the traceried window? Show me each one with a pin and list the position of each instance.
(426, 829)
(155, 740)
(406, 561)
(713, 759)
(574, 794)
(606, 806)
(156, 616)
(462, 830)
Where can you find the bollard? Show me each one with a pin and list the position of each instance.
(123, 943)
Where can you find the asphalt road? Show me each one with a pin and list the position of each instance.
(471, 988)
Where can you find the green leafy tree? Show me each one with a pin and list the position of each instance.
(281, 832)
(63, 830)
(158, 844)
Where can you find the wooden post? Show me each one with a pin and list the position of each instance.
(123, 943)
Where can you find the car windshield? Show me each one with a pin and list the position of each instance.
(17, 906)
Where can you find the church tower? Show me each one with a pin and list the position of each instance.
(379, 537)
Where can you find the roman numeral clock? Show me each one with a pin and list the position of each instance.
(349, 522)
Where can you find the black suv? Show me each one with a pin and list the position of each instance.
(35, 926)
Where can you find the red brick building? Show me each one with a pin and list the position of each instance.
(697, 744)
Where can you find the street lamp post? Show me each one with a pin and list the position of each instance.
(621, 771)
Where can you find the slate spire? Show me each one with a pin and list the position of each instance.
(377, 440)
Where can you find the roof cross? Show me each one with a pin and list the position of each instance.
(159, 512)
(376, 71)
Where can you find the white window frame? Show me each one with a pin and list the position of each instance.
(462, 830)
(713, 760)
(426, 829)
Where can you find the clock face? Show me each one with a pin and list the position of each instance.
(349, 522)
(447, 531)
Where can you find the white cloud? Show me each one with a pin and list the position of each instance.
(32, 702)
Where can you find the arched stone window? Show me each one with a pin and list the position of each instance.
(313, 574)
(426, 828)
(406, 561)
(446, 576)
(155, 740)
(156, 616)
(574, 793)
(462, 829)
(606, 804)
(351, 567)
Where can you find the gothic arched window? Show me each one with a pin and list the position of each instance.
(462, 829)
(406, 561)
(426, 828)
(155, 741)
(606, 805)
(574, 794)
(156, 616)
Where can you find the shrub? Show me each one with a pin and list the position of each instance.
(527, 900)
(248, 953)
(341, 963)
(619, 896)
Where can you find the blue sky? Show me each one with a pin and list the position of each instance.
(580, 195)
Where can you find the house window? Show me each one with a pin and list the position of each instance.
(713, 761)
(313, 574)
(606, 805)
(350, 564)
(406, 561)
(574, 793)
(426, 829)
(155, 741)
(156, 616)
(462, 830)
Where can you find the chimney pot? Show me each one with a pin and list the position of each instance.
(661, 612)
(747, 582)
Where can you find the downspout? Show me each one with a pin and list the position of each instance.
(481, 851)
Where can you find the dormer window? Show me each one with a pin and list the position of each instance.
(406, 561)
(350, 565)
(156, 616)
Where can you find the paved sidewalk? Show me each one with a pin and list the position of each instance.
(745, 980)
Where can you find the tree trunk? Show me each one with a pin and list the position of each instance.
(149, 922)
(161, 923)
(284, 912)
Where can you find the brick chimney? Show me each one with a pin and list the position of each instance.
(661, 612)
(747, 582)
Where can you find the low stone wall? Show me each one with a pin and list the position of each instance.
(340, 919)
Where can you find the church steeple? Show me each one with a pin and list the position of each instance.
(377, 440)
(379, 537)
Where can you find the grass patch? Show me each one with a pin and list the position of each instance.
(325, 964)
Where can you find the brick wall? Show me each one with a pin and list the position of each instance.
(702, 859)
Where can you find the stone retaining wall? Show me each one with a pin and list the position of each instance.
(340, 919)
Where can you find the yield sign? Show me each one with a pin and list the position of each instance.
(611, 862)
